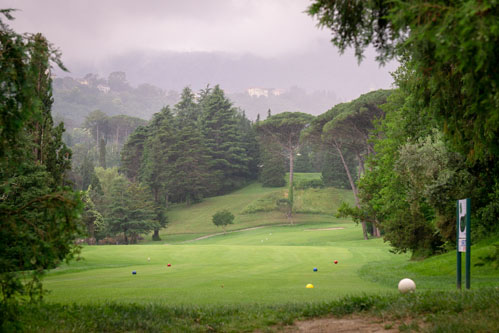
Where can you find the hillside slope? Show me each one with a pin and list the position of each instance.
(254, 206)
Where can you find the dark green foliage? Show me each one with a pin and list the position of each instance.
(309, 183)
(131, 210)
(273, 167)
(91, 217)
(333, 171)
(132, 153)
(250, 144)
(450, 78)
(109, 135)
(307, 160)
(452, 47)
(485, 223)
(344, 131)
(224, 142)
(157, 158)
(280, 134)
(39, 216)
(223, 218)
(87, 173)
(191, 178)
(199, 148)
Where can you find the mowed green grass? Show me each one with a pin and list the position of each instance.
(264, 258)
(252, 206)
(270, 265)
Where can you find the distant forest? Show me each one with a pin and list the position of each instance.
(75, 98)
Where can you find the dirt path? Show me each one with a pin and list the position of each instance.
(253, 228)
(337, 228)
(221, 233)
(343, 325)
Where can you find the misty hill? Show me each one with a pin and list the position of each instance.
(75, 98)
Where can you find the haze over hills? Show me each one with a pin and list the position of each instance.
(75, 98)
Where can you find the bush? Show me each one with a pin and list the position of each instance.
(223, 218)
(309, 183)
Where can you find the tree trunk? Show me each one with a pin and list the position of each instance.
(361, 164)
(117, 134)
(126, 238)
(352, 184)
(155, 236)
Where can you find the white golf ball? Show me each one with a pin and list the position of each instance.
(407, 286)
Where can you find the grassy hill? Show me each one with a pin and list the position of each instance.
(254, 206)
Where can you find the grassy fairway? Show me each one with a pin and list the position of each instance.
(267, 265)
(255, 279)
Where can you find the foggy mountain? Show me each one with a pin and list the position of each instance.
(75, 98)
(317, 69)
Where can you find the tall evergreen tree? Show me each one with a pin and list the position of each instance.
(157, 169)
(39, 216)
(191, 179)
(131, 210)
(229, 162)
(132, 153)
(273, 166)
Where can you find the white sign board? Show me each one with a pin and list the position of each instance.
(462, 226)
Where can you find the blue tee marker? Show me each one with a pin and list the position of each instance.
(134, 272)
(315, 269)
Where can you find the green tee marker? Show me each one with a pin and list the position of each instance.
(463, 239)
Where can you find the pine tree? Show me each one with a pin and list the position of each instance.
(39, 216)
(273, 167)
(131, 210)
(157, 168)
(132, 153)
(191, 178)
(229, 162)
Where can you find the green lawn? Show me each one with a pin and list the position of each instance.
(254, 276)
(267, 265)
(264, 258)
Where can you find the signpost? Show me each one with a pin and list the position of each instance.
(463, 239)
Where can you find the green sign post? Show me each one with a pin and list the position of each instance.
(463, 239)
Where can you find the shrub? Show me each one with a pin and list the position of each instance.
(223, 218)
(309, 183)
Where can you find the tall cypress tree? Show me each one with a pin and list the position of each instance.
(191, 178)
(273, 166)
(229, 162)
(39, 217)
(132, 153)
(157, 169)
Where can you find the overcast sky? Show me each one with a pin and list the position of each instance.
(92, 33)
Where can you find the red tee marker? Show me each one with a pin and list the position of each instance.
(336, 261)
(169, 265)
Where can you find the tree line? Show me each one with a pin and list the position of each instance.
(439, 139)
(202, 146)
